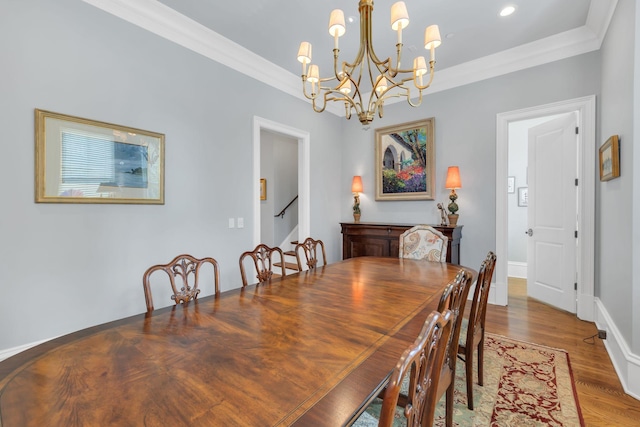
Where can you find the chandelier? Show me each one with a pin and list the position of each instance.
(380, 78)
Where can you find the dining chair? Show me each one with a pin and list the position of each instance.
(263, 261)
(184, 276)
(473, 328)
(423, 242)
(422, 364)
(453, 298)
(311, 253)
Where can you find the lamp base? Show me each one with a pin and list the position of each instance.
(453, 220)
(356, 218)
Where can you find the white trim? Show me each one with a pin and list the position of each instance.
(517, 269)
(626, 363)
(586, 109)
(304, 172)
(171, 25)
(7, 353)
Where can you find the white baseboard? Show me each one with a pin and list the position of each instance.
(626, 364)
(7, 353)
(517, 269)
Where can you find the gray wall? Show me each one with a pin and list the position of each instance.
(614, 211)
(70, 266)
(285, 188)
(465, 133)
(266, 171)
(517, 215)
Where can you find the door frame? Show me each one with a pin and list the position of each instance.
(304, 172)
(585, 255)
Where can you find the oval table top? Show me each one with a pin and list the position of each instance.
(308, 349)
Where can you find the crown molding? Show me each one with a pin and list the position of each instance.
(165, 22)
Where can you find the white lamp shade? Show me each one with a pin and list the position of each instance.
(314, 74)
(399, 16)
(432, 37)
(419, 66)
(304, 53)
(336, 23)
(345, 87)
(382, 84)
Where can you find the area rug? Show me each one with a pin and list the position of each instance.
(524, 385)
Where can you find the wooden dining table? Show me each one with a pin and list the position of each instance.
(309, 349)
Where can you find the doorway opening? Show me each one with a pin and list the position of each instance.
(585, 110)
(303, 174)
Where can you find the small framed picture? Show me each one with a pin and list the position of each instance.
(511, 184)
(263, 189)
(610, 159)
(523, 196)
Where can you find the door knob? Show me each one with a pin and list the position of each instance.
(529, 232)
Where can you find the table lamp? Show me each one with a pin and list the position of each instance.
(453, 182)
(356, 189)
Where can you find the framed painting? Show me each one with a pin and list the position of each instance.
(610, 159)
(86, 161)
(263, 189)
(405, 161)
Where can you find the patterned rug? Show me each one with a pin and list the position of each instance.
(524, 385)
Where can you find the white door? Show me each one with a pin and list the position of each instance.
(552, 212)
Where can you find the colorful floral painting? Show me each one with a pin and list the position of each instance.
(405, 161)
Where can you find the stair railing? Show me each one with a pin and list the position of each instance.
(281, 214)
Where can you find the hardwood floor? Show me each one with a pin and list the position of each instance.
(602, 399)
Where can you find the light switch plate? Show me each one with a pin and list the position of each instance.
(232, 223)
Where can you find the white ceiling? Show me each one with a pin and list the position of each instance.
(260, 38)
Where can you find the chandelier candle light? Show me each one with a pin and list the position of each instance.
(384, 80)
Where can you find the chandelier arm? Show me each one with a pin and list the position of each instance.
(304, 89)
(394, 71)
(316, 108)
(431, 75)
(364, 8)
(336, 53)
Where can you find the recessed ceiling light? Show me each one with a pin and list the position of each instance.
(450, 35)
(507, 11)
(351, 19)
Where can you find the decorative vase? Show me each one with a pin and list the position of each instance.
(453, 220)
(356, 218)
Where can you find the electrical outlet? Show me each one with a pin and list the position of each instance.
(602, 334)
(240, 222)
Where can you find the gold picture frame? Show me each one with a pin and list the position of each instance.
(610, 159)
(87, 161)
(405, 161)
(263, 189)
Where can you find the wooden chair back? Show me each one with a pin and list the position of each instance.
(422, 362)
(423, 242)
(453, 298)
(184, 275)
(475, 325)
(478, 311)
(311, 249)
(263, 258)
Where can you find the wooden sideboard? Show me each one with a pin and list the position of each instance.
(378, 239)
